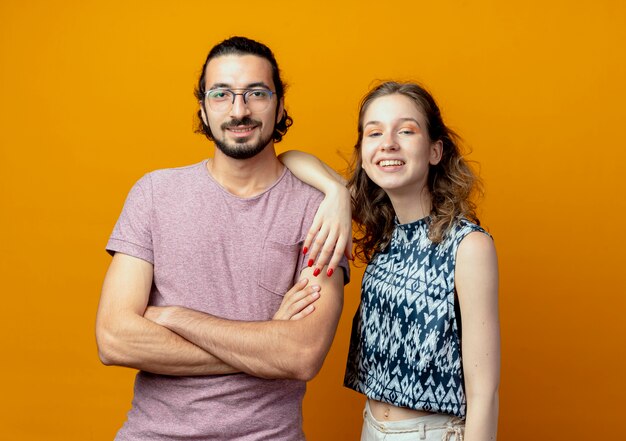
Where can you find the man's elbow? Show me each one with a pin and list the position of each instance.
(104, 350)
(308, 363)
(108, 347)
(306, 372)
(106, 358)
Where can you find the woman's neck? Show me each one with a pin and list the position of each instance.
(410, 208)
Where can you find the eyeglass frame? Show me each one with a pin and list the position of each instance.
(243, 95)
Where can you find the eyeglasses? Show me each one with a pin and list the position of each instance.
(222, 100)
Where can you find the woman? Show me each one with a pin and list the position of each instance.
(431, 273)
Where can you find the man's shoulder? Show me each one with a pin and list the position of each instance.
(168, 179)
(302, 189)
(177, 173)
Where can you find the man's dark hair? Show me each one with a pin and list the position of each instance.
(245, 46)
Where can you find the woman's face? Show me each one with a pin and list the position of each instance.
(396, 150)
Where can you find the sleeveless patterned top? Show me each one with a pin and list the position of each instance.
(405, 347)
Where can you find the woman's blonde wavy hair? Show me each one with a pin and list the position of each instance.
(452, 183)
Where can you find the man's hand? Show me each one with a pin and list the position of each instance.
(298, 301)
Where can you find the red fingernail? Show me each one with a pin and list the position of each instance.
(316, 272)
(310, 262)
(330, 272)
(304, 250)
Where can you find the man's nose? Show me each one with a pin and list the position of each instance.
(240, 108)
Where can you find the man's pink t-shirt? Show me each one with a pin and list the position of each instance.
(230, 257)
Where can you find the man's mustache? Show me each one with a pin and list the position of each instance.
(245, 121)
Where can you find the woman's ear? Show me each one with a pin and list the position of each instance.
(436, 152)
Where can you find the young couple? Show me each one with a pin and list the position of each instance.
(225, 335)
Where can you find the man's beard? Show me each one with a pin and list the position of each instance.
(242, 150)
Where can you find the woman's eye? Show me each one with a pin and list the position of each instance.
(407, 132)
(373, 134)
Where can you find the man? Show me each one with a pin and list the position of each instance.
(203, 256)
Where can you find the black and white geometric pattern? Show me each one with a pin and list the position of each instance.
(405, 347)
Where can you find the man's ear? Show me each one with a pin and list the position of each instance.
(436, 152)
(203, 114)
(281, 110)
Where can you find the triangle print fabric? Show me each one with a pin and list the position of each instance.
(406, 343)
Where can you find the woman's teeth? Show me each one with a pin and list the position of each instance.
(390, 162)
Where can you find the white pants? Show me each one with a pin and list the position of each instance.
(435, 427)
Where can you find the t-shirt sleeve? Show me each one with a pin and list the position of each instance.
(132, 233)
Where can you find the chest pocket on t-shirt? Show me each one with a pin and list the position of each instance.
(278, 265)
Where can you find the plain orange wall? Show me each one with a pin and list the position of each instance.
(93, 94)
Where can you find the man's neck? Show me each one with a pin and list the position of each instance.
(246, 178)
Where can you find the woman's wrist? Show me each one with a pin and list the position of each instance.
(331, 187)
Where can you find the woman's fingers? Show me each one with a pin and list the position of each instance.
(304, 307)
(297, 301)
(337, 254)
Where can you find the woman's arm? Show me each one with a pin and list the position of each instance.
(311, 170)
(330, 235)
(476, 276)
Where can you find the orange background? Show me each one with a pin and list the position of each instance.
(93, 94)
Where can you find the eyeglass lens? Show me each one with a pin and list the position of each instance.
(222, 100)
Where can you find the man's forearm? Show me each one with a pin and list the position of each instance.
(126, 338)
(142, 344)
(272, 349)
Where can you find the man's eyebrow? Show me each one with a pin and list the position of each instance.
(219, 86)
(258, 84)
(399, 120)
